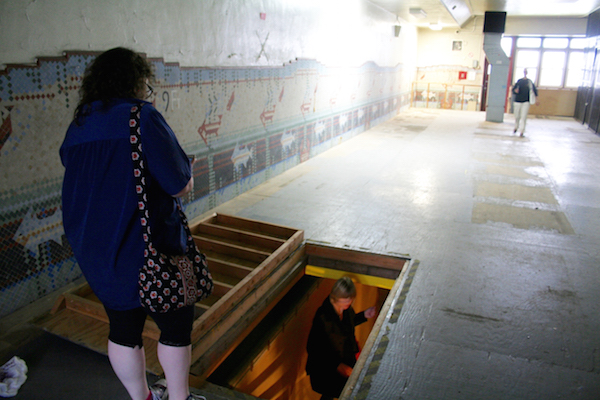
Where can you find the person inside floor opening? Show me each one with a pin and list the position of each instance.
(332, 346)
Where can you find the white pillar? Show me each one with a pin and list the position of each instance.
(496, 97)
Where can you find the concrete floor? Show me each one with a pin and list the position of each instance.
(504, 303)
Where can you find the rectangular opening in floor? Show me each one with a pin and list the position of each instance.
(270, 362)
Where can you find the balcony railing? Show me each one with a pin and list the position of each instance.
(446, 96)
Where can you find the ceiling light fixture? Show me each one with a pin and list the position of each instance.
(435, 27)
(417, 12)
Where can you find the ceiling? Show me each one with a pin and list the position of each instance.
(438, 10)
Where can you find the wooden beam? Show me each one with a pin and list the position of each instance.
(86, 307)
(368, 347)
(249, 239)
(230, 300)
(255, 226)
(353, 267)
(238, 251)
(228, 268)
(356, 256)
(214, 345)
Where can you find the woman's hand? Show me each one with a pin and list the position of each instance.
(344, 370)
(187, 188)
(370, 312)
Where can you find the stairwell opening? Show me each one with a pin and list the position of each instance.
(269, 363)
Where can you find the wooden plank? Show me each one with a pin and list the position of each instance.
(230, 300)
(86, 307)
(368, 347)
(59, 304)
(92, 333)
(353, 267)
(228, 268)
(242, 252)
(356, 256)
(252, 240)
(220, 289)
(223, 278)
(212, 346)
(84, 291)
(255, 226)
(94, 309)
(80, 288)
(229, 258)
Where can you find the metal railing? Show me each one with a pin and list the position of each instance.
(449, 96)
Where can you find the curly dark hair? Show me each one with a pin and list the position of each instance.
(116, 73)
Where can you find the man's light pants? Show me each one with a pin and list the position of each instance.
(520, 111)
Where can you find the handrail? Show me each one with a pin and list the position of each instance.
(448, 102)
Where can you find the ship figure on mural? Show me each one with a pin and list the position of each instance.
(308, 100)
(214, 117)
(241, 157)
(266, 117)
(38, 227)
(6, 127)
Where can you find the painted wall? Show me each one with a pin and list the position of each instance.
(204, 33)
(225, 83)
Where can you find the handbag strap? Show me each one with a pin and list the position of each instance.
(139, 173)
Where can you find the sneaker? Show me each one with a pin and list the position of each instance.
(159, 389)
(195, 397)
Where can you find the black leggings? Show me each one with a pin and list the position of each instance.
(175, 326)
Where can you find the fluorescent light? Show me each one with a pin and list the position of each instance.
(417, 12)
(435, 27)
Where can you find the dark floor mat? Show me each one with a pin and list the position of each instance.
(60, 370)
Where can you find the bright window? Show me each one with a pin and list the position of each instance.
(553, 68)
(551, 61)
(575, 69)
(529, 42)
(527, 59)
(579, 43)
(506, 44)
(556, 43)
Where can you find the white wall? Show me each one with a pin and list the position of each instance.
(545, 26)
(206, 33)
(435, 47)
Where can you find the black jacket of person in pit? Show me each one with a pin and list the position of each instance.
(331, 342)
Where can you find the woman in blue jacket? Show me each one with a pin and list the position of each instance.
(102, 221)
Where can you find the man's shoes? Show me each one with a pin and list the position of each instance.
(522, 134)
(159, 389)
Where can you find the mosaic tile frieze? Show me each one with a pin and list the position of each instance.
(244, 125)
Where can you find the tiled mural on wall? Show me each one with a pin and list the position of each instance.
(244, 125)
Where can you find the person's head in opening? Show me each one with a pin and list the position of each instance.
(525, 72)
(118, 73)
(342, 294)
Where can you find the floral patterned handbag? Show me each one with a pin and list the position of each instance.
(166, 282)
